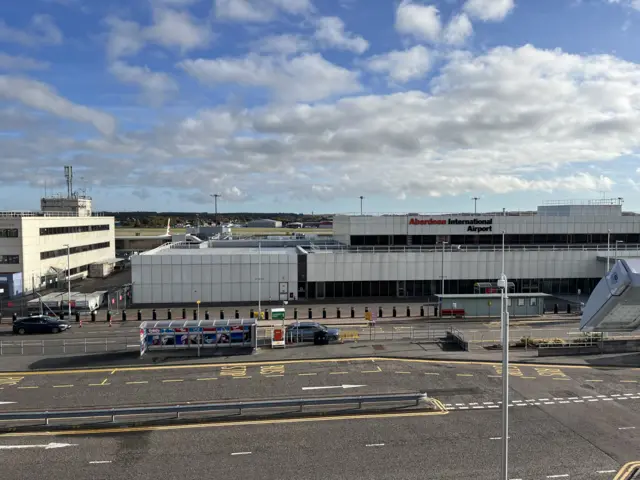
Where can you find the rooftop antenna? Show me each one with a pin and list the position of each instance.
(68, 175)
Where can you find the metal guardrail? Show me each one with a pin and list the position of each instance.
(212, 407)
(477, 248)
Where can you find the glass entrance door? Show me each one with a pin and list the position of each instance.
(320, 290)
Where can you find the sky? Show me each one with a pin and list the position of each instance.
(306, 105)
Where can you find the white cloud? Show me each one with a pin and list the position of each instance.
(42, 97)
(420, 21)
(155, 85)
(259, 10)
(286, 44)
(170, 28)
(489, 10)
(308, 77)
(42, 30)
(402, 66)
(330, 33)
(479, 127)
(10, 62)
(458, 30)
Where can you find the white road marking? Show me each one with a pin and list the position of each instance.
(6, 403)
(626, 428)
(564, 475)
(543, 399)
(375, 445)
(335, 386)
(593, 400)
(96, 462)
(241, 453)
(606, 471)
(588, 396)
(46, 447)
(549, 403)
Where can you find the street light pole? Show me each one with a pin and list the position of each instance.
(442, 271)
(504, 317)
(215, 203)
(608, 249)
(361, 199)
(475, 204)
(259, 281)
(69, 279)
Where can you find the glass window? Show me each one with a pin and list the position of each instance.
(9, 259)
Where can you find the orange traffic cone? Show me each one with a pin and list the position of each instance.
(80, 326)
(109, 322)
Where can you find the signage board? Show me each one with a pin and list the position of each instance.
(474, 225)
(277, 338)
(278, 314)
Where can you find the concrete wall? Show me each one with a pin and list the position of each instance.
(347, 266)
(213, 278)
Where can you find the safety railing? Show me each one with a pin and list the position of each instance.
(113, 413)
(68, 346)
(476, 248)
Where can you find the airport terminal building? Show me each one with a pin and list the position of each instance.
(560, 249)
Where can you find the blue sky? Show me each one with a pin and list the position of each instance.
(302, 105)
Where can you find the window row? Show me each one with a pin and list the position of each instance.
(9, 259)
(83, 248)
(428, 288)
(74, 229)
(8, 233)
(510, 239)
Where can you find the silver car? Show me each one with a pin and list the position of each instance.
(306, 331)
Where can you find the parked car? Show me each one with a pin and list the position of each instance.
(39, 324)
(306, 332)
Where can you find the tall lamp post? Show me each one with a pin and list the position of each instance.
(68, 279)
(215, 203)
(442, 271)
(259, 281)
(608, 249)
(361, 199)
(504, 318)
(475, 204)
(616, 252)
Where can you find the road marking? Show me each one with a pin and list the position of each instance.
(403, 373)
(241, 453)
(98, 462)
(114, 371)
(48, 446)
(549, 403)
(103, 383)
(543, 399)
(556, 378)
(338, 373)
(10, 381)
(628, 381)
(626, 428)
(268, 370)
(593, 400)
(494, 376)
(62, 386)
(606, 471)
(564, 475)
(529, 378)
(593, 380)
(271, 376)
(206, 379)
(136, 383)
(375, 445)
(173, 380)
(587, 396)
(334, 386)
(464, 374)
(6, 403)
(305, 374)
(22, 388)
(373, 371)
(431, 373)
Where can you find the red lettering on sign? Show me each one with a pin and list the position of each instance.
(431, 221)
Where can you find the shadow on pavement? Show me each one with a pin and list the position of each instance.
(115, 359)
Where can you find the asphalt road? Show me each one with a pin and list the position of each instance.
(574, 422)
(453, 446)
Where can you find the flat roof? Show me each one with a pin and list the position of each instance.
(225, 251)
(198, 323)
(493, 295)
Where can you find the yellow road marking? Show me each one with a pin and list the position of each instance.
(626, 470)
(206, 379)
(239, 378)
(271, 376)
(293, 362)
(62, 386)
(104, 383)
(464, 374)
(403, 373)
(305, 374)
(363, 416)
(628, 381)
(22, 388)
(494, 376)
(136, 383)
(338, 373)
(529, 378)
(113, 371)
(593, 380)
(174, 380)
(556, 378)
(272, 370)
(431, 373)
(372, 371)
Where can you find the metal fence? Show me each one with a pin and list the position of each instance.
(120, 343)
(113, 413)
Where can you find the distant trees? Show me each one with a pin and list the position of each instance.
(159, 219)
